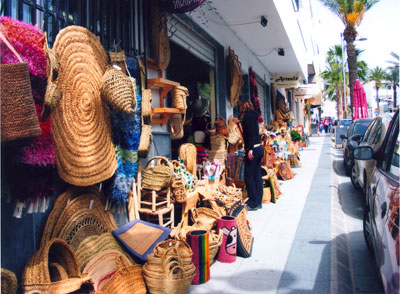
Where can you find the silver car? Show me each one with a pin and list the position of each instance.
(373, 137)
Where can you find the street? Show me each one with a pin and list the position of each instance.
(310, 241)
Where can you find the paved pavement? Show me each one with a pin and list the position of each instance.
(310, 241)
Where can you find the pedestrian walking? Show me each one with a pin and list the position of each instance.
(326, 125)
(254, 153)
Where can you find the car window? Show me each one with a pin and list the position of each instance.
(394, 164)
(391, 147)
(368, 131)
(360, 128)
(375, 132)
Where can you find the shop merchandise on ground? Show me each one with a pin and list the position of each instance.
(78, 146)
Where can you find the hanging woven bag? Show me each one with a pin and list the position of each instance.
(18, 114)
(146, 105)
(119, 90)
(145, 141)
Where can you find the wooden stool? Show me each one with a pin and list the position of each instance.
(155, 200)
(160, 216)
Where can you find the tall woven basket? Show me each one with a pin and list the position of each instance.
(18, 115)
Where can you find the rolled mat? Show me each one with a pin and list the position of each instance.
(199, 242)
(228, 248)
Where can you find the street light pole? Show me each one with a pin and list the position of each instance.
(344, 74)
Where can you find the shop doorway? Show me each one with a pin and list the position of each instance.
(196, 75)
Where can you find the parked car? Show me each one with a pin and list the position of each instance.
(373, 137)
(345, 122)
(381, 218)
(350, 141)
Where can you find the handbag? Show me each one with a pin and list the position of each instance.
(19, 119)
(176, 126)
(245, 237)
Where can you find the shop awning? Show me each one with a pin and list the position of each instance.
(311, 93)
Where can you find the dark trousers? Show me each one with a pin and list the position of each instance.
(253, 178)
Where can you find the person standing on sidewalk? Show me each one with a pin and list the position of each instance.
(326, 125)
(254, 153)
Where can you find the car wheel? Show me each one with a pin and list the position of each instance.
(367, 228)
(354, 179)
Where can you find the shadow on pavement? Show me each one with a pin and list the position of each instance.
(337, 165)
(300, 277)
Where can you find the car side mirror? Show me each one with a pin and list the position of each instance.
(363, 153)
(356, 138)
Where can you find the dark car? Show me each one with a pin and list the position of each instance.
(381, 218)
(354, 134)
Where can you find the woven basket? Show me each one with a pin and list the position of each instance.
(119, 90)
(18, 115)
(215, 242)
(159, 34)
(179, 95)
(146, 138)
(266, 195)
(9, 283)
(146, 105)
(235, 78)
(104, 264)
(178, 189)
(188, 153)
(157, 177)
(54, 269)
(92, 245)
(217, 142)
(221, 125)
(77, 221)
(176, 124)
(118, 58)
(127, 280)
(168, 247)
(204, 218)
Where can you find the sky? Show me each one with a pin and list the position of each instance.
(380, 25)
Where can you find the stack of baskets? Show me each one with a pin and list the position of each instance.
(178, 190)
(169, 269)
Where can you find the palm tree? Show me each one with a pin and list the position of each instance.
(393, 75)
(351, 13)
(377, 75)
(333, 79)
(334, 56)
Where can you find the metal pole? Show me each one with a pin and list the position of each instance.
(344, 74)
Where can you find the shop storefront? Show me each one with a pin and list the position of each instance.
(138, 145)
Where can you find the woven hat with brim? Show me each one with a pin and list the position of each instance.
(94, 244)
(59, 205)
(140, 237)
(83, 216)
(53, 269)
(80, 122)
(9, 283)
(103, 265)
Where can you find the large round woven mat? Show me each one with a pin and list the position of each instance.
(80, 123)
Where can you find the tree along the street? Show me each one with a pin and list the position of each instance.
(351, 13)
(393, 75)
(333, 76)
(377, 75)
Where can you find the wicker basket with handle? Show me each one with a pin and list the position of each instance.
(157, 177)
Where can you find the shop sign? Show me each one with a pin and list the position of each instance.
(179, 6)
(304, 92)
(286, 80)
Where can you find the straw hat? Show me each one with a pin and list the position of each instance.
(9, 283)
(53, 269)
(83, 216)
(94, 244)
(104, 264)
(80, 122)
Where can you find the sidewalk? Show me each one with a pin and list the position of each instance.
(288, 247)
